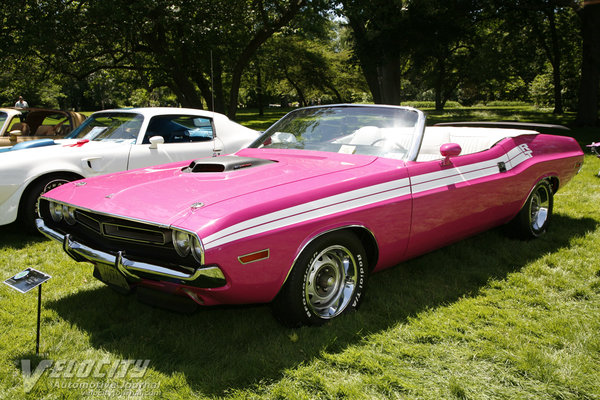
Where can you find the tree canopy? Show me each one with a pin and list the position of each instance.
(91, 54)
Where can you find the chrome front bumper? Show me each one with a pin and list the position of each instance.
(129, 268)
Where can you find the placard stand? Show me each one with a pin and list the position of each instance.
(23, 282)
(37, 336)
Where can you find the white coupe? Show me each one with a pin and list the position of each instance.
(111, 141)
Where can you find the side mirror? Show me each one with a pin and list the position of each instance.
(155, 141)
(14, 134)
(449, 150)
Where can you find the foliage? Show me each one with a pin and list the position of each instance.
(113, 53)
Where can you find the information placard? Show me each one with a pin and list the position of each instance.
(27, 279)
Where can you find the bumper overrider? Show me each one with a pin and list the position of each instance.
(134, 271)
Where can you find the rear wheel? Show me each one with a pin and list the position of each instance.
(327, 280)
(534, 218)
(28, 211)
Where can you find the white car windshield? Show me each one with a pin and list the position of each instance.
(372, 130)
(114, 127)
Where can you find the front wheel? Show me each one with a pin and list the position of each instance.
(534, 218)
(28, 210)
(327, 280)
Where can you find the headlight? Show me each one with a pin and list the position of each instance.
(182, 241)
(69, 214)
(56, 211)
(198, 250)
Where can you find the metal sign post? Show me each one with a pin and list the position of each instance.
(23, 282)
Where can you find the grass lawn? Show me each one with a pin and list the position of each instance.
(489, 317)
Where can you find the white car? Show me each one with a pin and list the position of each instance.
(111, 141)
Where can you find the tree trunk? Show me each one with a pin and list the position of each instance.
(390, 81)
(587, 114)
(439, 84)
(185, 90)
(298, 90)
(370, 71)
(555, 58)
(259, 91)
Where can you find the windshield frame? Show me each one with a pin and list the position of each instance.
(410, 154)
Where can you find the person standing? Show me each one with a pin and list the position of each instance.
(21, 103)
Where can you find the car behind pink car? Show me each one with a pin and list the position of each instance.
(300, 219)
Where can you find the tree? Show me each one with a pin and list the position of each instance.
(198, 49)
(444, 36)
(587, 114)
(379, 44)
(549, 23)
(312, 67)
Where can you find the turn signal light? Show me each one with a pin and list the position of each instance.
(253, 257)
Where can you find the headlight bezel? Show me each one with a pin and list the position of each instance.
(68, 213)
(56, 211)
(187, 243)
(182, 242)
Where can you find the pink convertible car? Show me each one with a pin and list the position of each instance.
(324, 197)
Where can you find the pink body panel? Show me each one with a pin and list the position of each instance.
(409, 208)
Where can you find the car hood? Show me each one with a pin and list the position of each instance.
(171, 193)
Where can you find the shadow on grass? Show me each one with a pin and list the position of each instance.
(17, 237)
(222, 348)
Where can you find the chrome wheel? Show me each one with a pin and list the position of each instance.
(534, 217)
(330, 281)
(539, 208)
(327, 280)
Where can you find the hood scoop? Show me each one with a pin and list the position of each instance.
(225, 164)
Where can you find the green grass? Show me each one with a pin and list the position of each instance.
(251, 119)
(488, 317)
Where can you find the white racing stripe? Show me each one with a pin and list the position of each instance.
(364, 197)
(307, 211)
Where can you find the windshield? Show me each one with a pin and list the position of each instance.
(372, 130)
(3, 117)
(113, 127)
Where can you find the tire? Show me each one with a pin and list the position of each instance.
(28, 210)
(328, 280)
(534, 218)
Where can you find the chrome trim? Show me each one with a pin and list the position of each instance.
(81, 252)
(105, 233)
(136, 220)
(419, 133)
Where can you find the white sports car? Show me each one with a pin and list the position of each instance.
(111, 141)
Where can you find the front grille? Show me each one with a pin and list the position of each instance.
(135, 234)
(139, 241)
(111, 227)
(121, 229)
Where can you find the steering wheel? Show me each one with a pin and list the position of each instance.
(396, 145)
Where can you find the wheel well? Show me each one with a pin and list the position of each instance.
(369, 242)
(554, 183)
(69, 175)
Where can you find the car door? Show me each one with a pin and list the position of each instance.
(98, 158)
(185, 137)
(458, 198)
